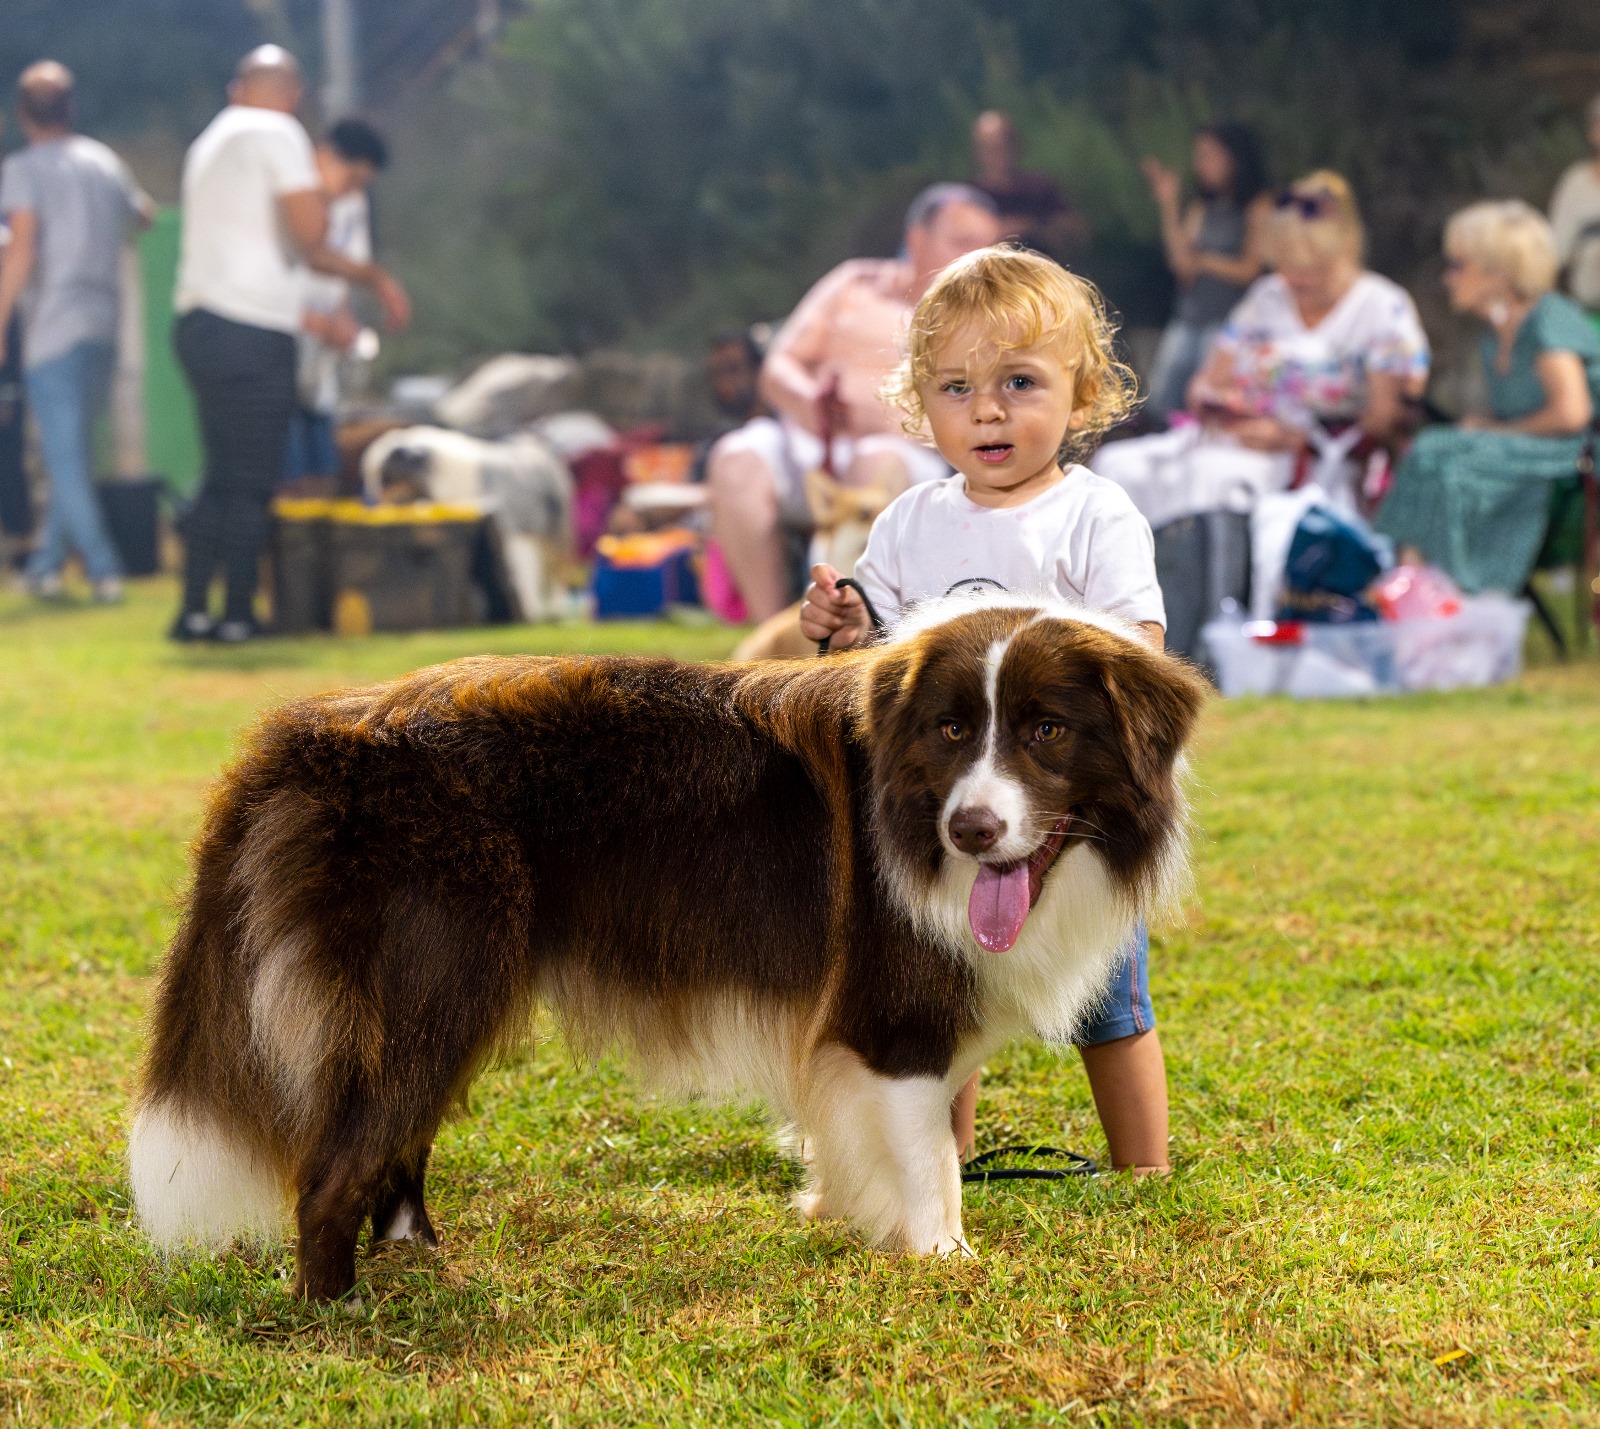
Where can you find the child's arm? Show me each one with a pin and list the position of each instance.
(828, 611)
(1153, 633)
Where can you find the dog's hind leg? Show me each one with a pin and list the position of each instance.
(338, 1190)
(400, 1212)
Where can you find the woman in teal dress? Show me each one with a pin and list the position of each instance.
(1474, 499)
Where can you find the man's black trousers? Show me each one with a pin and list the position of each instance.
(244, 387)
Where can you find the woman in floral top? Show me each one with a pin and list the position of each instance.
(1318, 355)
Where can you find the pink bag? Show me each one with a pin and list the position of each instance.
(720, 594)
(1415, 593)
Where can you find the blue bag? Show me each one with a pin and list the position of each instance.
(1332, 561)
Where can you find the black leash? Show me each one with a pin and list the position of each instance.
(980, 1168)
(877, 625)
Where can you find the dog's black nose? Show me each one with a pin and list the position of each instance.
(975, 830)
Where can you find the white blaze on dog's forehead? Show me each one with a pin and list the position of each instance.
(991, 686)
(986, 786)
(929, 614)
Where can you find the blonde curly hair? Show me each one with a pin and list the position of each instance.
(1022, 299)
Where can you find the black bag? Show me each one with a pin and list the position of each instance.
(1201, 561)
(132, 510)
(16, 502)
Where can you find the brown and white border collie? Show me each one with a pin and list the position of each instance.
(835, 885)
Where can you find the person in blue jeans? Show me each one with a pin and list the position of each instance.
(69, 204)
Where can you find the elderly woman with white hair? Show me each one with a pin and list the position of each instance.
(1474, 498)
(1319, 356)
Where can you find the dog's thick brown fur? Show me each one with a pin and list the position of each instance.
(735, 873)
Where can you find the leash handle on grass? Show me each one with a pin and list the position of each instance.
(877, 625)
(982, 1168)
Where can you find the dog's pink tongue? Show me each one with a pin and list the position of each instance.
(999, 906)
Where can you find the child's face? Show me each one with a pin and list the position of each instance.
(999, 417)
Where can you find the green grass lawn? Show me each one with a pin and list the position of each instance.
(1380, 1016)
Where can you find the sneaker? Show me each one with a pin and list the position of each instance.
(234, 632)
(108, 591)
(50, 587)
(194, 625)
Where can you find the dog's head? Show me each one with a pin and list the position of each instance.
(1005, 734)
(403, 474)
(843, 516)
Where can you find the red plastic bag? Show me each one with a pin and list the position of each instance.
(1415, 593)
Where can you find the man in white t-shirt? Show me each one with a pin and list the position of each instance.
(254, 220)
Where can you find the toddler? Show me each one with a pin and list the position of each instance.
(1011, 368)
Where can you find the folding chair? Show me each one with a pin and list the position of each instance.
(1572, 539)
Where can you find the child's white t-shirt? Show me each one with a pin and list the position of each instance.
(1082, 539)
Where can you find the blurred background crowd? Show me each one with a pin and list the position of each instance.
(637, 196)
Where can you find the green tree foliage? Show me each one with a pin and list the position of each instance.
(671, 164)
(677, 163)
(671, 141)
(647, 170)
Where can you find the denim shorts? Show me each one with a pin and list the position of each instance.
(1125, 1009)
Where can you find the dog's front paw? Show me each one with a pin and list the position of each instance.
(942, 1243)
(813, 1205)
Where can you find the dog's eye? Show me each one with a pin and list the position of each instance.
(1046, 730)
(952, 729)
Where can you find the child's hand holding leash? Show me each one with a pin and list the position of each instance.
(830, 610)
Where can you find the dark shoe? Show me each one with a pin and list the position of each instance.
(191, 626)
(234, 632)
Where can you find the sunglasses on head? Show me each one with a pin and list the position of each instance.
(1317, 203)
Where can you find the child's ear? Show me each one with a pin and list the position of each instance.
(1087, 391)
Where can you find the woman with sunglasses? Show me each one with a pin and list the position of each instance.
(1213, 246)
(1313, 368)
(1474, 498)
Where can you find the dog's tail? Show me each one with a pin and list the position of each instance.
(197, 1184)
(246, 1029)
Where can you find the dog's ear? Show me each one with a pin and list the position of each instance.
(1156, 700)
(891, 686)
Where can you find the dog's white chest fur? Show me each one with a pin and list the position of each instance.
(1049, 982)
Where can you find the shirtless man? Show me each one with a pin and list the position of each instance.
(836, 349)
